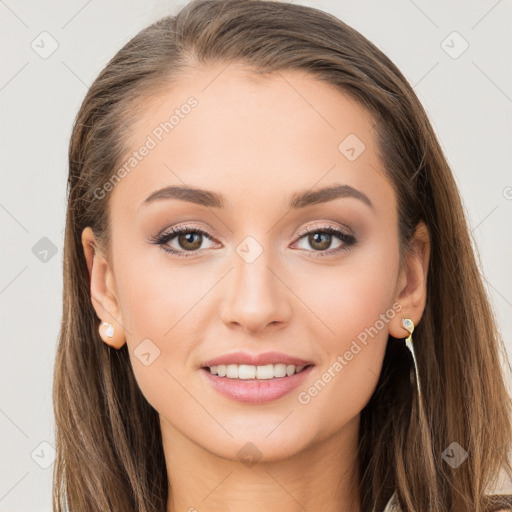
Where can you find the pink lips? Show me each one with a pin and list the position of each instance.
(256, 359)
(256, 391)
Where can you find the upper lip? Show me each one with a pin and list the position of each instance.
(256, 359)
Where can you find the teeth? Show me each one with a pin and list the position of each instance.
(248, 371)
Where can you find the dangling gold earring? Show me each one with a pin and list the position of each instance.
(408, 325)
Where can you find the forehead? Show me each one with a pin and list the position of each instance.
(225, 128)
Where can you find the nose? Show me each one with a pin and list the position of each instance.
(257, 295)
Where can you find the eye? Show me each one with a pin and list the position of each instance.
(185, 238)
(321, 239)
(189, 239)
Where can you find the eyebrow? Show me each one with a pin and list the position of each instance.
(298, 200)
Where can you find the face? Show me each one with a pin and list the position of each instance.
(267, 263)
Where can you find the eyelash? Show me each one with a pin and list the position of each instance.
(163, 238)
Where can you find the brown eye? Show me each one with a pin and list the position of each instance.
(190, 241)
(183, 240)
(320, 241)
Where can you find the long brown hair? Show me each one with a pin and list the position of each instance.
(108, 440)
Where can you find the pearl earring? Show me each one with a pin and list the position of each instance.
(110, 329)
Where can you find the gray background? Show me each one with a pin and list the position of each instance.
(468, 99)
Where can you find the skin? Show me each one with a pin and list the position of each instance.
(256, 140)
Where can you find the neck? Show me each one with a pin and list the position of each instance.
(322, 477)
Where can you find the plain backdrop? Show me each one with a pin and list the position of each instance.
(456, 54)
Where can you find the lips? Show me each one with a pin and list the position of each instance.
(256, 359)
(254, 391)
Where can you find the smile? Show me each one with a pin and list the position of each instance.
(255, 384)
(249, 371)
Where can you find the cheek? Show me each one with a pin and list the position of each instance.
(161, 337)
(354, 296)
(157, 307)
(355, 305)
(157, 294)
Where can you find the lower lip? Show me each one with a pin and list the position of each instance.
(255, 391)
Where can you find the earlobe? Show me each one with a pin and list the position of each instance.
(103, 292)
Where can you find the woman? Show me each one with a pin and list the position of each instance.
(259, 215)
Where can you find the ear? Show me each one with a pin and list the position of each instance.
(103, 290)
(411, 290)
